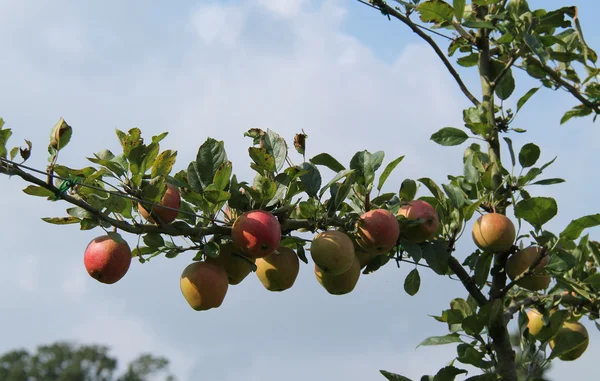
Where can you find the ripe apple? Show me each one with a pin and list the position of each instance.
(494, 233)
(517, 263)
(332, 251)
(257, 233)
(106, 260)
(536, 322)
(236, 267)
(377, 231)
(171, 199)
(416, 210)
(569, 333)
(278, 272)
(339, 284)
(204, 285)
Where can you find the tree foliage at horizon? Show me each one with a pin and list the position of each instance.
(495, 38)
(66, 361)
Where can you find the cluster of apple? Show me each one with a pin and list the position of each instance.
(254, 244)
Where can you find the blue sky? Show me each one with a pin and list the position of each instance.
(349, 77)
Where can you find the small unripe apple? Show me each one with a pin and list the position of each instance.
(417, 210)
(494, 233)
(171, 199)
(106, 260)
(257, 233)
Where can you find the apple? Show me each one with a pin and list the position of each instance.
(377, 231)
(106, 260)
(257, 233)
(494, 233)
(278, 271)
(342, 283)
(518, 262)
(419, 210)
(568, 334)
(332, 251)
(204, 285)
(536, 322)
(236, 267)
(171, 199)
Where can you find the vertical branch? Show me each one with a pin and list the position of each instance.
(498, 330)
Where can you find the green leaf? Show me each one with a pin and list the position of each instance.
(328, 161)
(393, 376)
(211, 249)
(362, 162)
(436, 255)
(387, 171)
(311, 181)
(153, 240)
(222, 176)
(164, 163)
(529, 155)
(485, 377)
(436, 11)
(576, 227)
(567, 342)
(482, 268)
(277, 147)
(506, 86)
(448, 373)
(408, 190)
(536, 45)
(468, 61)
(412, 282)
(60, 135)
(526, 97)
(536, 210)
(433, 188)
(511, 150)
(593, 280)
(34, 190)
(577, 111)
(449, 136)
(340, 175)
(549, 181)
(215, 196)
(264, 162)
(441, 340)
(455, 195)
(129, 140)
(459, 9)
(211, 155)
(61, 220)
(413, 250)
(116, 237)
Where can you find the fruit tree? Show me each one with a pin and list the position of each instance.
(546, 281)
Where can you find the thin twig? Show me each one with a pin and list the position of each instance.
(382, 6)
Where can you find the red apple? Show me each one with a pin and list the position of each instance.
(106, 260)
(416, 210)
(377, 231)
(171, 199)
(257, 233)
(494, 233)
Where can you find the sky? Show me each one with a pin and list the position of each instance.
(348, 77)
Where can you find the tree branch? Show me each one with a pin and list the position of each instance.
(516, 306)
(467, 281)
(382, 6)
(561, 82)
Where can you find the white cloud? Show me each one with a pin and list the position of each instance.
(285, 8)
(217, 24)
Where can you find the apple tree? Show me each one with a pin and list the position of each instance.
(545, 280)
